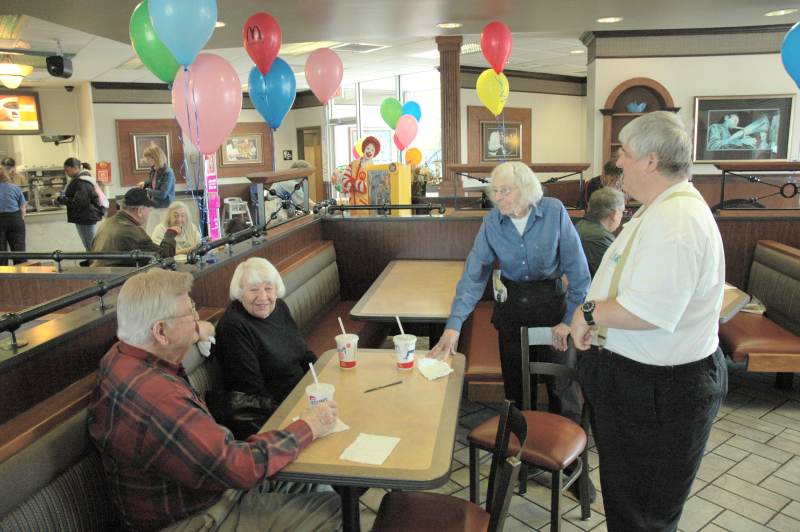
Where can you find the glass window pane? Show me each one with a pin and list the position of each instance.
(423, 88)
(372, 95)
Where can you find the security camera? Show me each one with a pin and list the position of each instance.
(59, 66)
(69, 88)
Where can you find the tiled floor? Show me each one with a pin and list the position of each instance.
(749, 479)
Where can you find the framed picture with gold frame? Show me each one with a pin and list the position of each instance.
(243, 149)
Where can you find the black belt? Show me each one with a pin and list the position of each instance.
(543, 283)
(650, 370)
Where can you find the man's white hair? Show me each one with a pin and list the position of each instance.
(521, 176)
(661, 133)
(255, 270)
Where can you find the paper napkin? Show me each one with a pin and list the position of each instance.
(432, 368)
(370, 449)
(340, 426)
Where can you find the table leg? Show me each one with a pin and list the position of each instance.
(351, 514)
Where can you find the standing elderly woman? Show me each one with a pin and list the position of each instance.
(177, 215)
(261, 351)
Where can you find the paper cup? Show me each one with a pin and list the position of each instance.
(405, 347)
(319, 393)
(347, 346)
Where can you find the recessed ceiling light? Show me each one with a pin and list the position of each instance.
(780, 12)
(609, 20)
(449, 25)
(220, 24)
(577, 52)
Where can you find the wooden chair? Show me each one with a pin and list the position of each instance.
(422, 512)
(554, 443)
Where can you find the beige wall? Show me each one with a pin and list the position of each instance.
(59, 117)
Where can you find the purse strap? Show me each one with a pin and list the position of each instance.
(602, 332)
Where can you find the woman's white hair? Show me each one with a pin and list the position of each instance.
(173, 207)
(662, 133)
(255, 270)
(147, 298)
(520, 175)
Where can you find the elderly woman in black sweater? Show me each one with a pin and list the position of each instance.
(261, 351)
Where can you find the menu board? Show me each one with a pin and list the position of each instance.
(19, 113)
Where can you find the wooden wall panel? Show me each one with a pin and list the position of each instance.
(476, 115)
(239, 170)
(126, 129)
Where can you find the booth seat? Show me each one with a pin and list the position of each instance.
(769, 343)
(479, 344)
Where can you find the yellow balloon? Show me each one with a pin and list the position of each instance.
(492, 90)
(413, 156)
(360, 147)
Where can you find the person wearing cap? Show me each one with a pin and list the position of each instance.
(124, 231)
(354, 181)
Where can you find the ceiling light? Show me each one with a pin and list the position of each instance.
(220, 24)
(12, 74)
(609, 20)
(577, 52)
(780, 12)
(449, 25)
(470, 48)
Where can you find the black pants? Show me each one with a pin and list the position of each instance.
(12, 233)
(651, 425)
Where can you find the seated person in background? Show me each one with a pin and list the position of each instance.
(611, 177)
(177, 215)
(285, 190)
(167, 463)
(234, 225)
(261, 351)
(123, 231)
(596, 230)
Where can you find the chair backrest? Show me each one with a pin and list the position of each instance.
(532, 336)
(505, 469)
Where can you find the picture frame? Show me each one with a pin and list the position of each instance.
(242, 149)
(141, 141)
(501, 141)
(742, 128)
(20, 113)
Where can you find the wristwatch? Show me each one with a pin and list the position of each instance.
(588, 309)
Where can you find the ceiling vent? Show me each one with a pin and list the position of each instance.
(359, 47)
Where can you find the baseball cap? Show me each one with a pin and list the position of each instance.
(137, 197)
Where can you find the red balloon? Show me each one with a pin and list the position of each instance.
(496, 44)
(262, 40)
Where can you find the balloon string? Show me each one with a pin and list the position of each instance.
(503, 136)
(200, 166)
(272, 141)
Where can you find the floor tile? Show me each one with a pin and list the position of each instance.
(785, 444)
(697, 513)
(789, 409)
(733, 522)
(755, 423)
(778, 485)
(754, 468)
(743, 430)
(790, 471)
(737, 503)
(367, 520)
(712, 466)
(759, 407)
(760, 449)
(717, 437)
(515, 525)
(731, 453)
(791, 434)
(783, 421)
(574, 517)
(757, 494)
(372, 498)
(793, 510)
(784, 523)
(713, 528)
(529, 513)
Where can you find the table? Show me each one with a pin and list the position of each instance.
(733, 300)
(418, 291)
(422, 413)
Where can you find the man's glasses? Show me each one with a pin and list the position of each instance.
(194, 313)
(502, 191)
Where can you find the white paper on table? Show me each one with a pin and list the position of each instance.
(432, 368)
(340, 426)
(730, 287)
(540, 336)
(370, 449)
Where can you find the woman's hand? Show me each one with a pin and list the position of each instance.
(205, 330)
(560, 334)
(446, 345)
(140, 184)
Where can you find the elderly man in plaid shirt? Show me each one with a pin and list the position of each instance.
(168, 464)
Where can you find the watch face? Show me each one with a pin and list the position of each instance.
(588, 306)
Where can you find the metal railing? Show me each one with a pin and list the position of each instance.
(203, 249)
(136, 256)
(386, 208)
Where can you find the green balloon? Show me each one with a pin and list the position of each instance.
(391, 110)
(153, 53)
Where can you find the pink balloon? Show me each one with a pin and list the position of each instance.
(324, 72)
(406, 129)
(207, 100)
(397, 142)
(355, 153)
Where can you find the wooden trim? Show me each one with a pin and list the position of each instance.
(127, 128)
(294, 261)
(280, 175)
(781, 248)
(477, 114)
(536, 167)
(773, 362)
(244, 128)
(773, 28)
(528, 75)
(759, 166)
(639, 82)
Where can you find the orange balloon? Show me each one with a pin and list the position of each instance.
(413, 156)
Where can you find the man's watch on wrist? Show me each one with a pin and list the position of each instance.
(588, 310)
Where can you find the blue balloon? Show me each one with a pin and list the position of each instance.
(790, 53)
(184, 26)
(412, 108)
(273, 94)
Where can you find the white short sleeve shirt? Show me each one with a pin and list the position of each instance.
(673, 278)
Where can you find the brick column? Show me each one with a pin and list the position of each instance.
(450, 82)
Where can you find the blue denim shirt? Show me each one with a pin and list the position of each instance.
(11, 198)
(548, 247)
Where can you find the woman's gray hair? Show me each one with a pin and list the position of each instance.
(520, 175)
(147, 298)
(605, 202)
(662, 133)
(255, 270)
(175, 206)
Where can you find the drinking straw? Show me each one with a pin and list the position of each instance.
(341, 325)
(314, 374)
(399, 324)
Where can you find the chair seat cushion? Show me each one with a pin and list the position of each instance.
(753, 333)
(423, 512)
(554, 442)
(322, 336)
(480, 344)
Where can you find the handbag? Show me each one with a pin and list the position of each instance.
(245, 413)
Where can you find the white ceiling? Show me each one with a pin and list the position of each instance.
(545, 31)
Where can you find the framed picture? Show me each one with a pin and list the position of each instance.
(501, 141)
(742, 128)
(245, 149)
(143, 141)
(20, 113)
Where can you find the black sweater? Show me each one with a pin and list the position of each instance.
(261, 357)
(83, 205)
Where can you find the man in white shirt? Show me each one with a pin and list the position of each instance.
(656, 378)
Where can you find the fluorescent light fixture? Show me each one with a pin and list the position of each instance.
(609, 20)
(577, 52)
(302, 48)
(449, 25)
(780, 12)
(470, 48)
(220, 24)
(12, 74)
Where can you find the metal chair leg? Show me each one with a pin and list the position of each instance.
(523, 479)
(555, 502)
(586, 510)
(474, 475)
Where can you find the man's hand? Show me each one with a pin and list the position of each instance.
(581, 332)
(560, 334)
(446, 345)
(176, 228)
(205, 330)
(321, 418)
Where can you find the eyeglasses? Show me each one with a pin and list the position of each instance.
(502, 191)
(193, 314)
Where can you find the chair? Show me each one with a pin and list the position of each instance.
(236, 207)
(554, 443)
(422, 512)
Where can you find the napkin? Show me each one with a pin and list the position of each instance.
(340, 426)
(432, 368)
(370, 449)
(205, 346)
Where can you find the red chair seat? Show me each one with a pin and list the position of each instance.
(752, 333)
(554, 442)
(428, 512)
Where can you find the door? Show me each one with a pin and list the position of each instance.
(309, 148)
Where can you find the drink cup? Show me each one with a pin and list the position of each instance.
(319, 393)
(347, 346)
(405, 347)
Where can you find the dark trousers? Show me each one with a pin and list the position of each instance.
(12, 233)
(651, 425)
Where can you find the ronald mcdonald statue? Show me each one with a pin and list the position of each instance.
(354, 181)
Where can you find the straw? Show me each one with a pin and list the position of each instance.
(399, 324)
(341, 325)
(314, 374)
